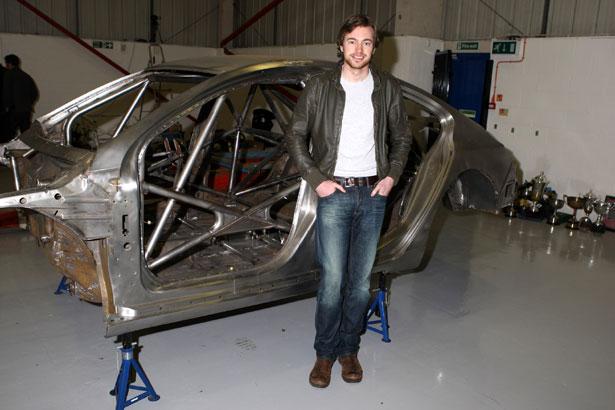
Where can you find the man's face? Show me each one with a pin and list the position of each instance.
(358, 47)
(9, 66)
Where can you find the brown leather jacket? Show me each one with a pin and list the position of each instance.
(319, 113)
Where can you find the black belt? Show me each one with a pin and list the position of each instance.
(348, 182)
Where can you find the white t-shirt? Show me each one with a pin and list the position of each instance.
(356, 155)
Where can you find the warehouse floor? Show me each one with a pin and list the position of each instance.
(507, 315)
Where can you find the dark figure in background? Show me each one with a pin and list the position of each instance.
(19, 93)
(3, 124)
(360, 140)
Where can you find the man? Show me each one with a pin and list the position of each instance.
(360, 140)
(19, 94)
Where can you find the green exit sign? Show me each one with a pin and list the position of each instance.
(504, 47)
(467, 45)
(102, 44)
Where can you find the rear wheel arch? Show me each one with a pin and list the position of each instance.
(471, 189)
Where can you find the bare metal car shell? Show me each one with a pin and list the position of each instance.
(87, 207)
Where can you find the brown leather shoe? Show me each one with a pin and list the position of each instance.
(351, 369)
(320, 376)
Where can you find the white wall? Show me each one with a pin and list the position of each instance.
(563, 90)
(64, 69)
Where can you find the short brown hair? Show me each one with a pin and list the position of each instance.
(352, 22)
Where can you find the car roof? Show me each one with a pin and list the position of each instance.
(220, 64)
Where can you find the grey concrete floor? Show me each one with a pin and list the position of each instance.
(506, 315)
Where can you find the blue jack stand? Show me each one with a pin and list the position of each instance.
(122, 384)
(62, 286)
(380, 303)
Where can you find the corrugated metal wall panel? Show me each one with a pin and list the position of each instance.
(472, 13)
(452, 20)
(205, 31)
(383, 12)
(306, 22)
(166, 24)
(331, 13)
(141, 18)
(94, 20)
(101, 20)
(15, 18)
(561, 17)
(269, 26)
(502, 25)
(29, 19)
(538, 7)
(585, 17)
(4, 16)
(473, 19)
(188, 22)
(116, 20)
(605, 25)
(523, 18)
(63, 12)
(486, 29)
(195, 22)
(87, 19)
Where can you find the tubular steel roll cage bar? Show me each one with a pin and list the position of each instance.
(226, 216)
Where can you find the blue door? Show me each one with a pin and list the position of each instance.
(470, 80)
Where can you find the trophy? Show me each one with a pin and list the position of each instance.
(539, 184)
(601, 209)
(585, 223)
(576, 203)
(556, 204)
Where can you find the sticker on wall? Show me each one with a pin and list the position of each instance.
(504, 112)
(468, 113)
(467, 45)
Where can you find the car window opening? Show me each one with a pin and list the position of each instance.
(236, 205)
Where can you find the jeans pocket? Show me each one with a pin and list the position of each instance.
(320, 198)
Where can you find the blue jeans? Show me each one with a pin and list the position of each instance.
(347, 231)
